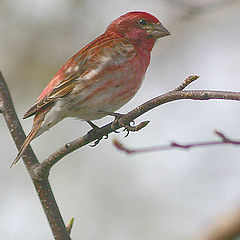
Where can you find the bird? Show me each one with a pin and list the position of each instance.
(100, 78)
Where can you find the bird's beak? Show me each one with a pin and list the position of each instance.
(157, 30)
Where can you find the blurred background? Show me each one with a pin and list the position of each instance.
(162, 195)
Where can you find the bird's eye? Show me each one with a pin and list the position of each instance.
(143, 22)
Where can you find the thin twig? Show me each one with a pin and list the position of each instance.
(186, 82)
(70, 225)
(175, 145)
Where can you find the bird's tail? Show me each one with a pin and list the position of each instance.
(29, 138)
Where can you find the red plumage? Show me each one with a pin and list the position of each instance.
(104, 75)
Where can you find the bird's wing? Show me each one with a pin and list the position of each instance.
(116, 51)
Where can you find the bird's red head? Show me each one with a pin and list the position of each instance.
(137, 26)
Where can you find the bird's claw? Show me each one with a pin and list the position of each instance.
(105, 136)
(127, 127)
(98, 141)
(118, 123)
(114, 114)
(94, 144)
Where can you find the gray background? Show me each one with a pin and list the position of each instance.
(163, 195)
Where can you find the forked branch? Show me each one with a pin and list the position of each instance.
(39, 171)
(174, 95)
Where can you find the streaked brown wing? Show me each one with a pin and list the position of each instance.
(60, 90)
(119, 50)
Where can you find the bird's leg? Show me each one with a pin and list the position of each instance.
(127, 127)
(92, 131)
(116, 115)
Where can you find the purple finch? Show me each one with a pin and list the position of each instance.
(103, 76)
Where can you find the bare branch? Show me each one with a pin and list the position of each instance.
(124, 120)
(41, 183)
(39, 172)
(174, 145)
(14, 126)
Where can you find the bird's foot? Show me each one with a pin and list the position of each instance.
(127, 126)
(114, 114)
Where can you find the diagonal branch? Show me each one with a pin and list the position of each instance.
(39, 172)
(174, 95)
(14, 126)
(41, 184)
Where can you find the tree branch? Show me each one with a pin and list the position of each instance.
(41, 183)
(174, 145)
(39, 172)
(174, 95)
